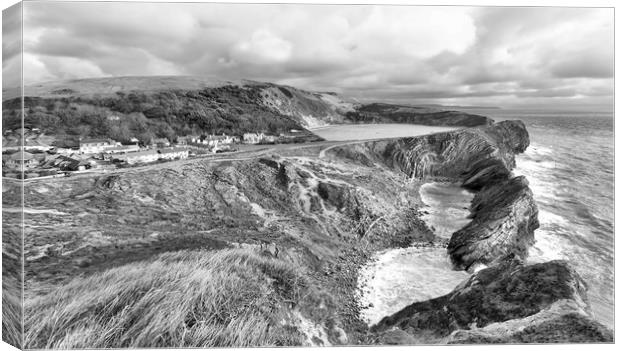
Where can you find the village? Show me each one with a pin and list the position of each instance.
(36, 157)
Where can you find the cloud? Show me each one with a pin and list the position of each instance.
(404, 53)
(11, 46)
(262, 47)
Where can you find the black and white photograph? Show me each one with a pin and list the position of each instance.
(255, 174)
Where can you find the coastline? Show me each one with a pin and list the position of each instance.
(255, 205)
(489, 181)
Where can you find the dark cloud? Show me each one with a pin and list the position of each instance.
(437, 54)
(11, 46)
(584, 66)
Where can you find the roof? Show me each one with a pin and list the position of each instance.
(122, 147)
(71, 158)
(172, 149)
(160, 140)
(93, 141)
(217, 137)
(141, 153)
(22, 155)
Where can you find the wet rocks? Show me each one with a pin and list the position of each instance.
(507, 291)
(504, 212)
(504, 217)
(562, 322)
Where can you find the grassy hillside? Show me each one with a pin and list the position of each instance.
(150, 107)
(229, 298)
(389, 113)
(318, 215)
(146, 115)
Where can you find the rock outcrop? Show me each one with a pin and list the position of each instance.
(563, 322)
(546, 301)
(476, 156)
(504, 214)
(504, 217)
(508, 302)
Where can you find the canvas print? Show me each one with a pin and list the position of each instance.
(247, 175)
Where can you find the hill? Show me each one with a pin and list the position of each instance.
(171, 106)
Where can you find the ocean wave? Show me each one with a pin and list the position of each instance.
(546, 217)
(400, 277)
(537, 149)
(548, 247)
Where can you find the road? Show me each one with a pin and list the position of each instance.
(249, 152)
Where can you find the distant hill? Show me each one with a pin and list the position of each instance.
(171, 106)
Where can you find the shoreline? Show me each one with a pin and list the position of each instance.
(314, 213)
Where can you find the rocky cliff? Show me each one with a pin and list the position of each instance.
(508, 301)
(543, 303)
(504, 214)
(391, 113)
(307, 217)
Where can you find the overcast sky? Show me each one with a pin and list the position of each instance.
(449, 55)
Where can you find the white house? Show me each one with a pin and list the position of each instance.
(20, 158)
(253, 138)
(215, 140)
(121, 149)
(140, 157)
(160, 142)
(94, 146)
(173, 152)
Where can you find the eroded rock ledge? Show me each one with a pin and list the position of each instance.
(504, 213)
(543, 303)
(504, 217)
(508, 302)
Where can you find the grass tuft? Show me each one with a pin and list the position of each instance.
(228, 298)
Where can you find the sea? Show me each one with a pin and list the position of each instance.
(569, 165)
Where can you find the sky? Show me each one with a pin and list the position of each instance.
(492, 56)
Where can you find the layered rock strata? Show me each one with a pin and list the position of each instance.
(543, 302)
(508, 302)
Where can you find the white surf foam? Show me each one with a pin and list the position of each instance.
(400, 277)
(447, 207)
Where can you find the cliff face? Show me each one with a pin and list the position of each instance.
(390, 113)
(317, 218)
(508, 301)
(504, 214)
(319, 214)
(476, 156)
(545, 300)
(504, 217)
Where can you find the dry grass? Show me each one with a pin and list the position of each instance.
(229, 298)
(11, 312)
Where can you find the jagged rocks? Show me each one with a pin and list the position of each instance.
(506, 291)
(564, 322)
(336, 195)
(504, 217)
(476, 156)
(504, 212)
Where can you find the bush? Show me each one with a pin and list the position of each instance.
(145, 115)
